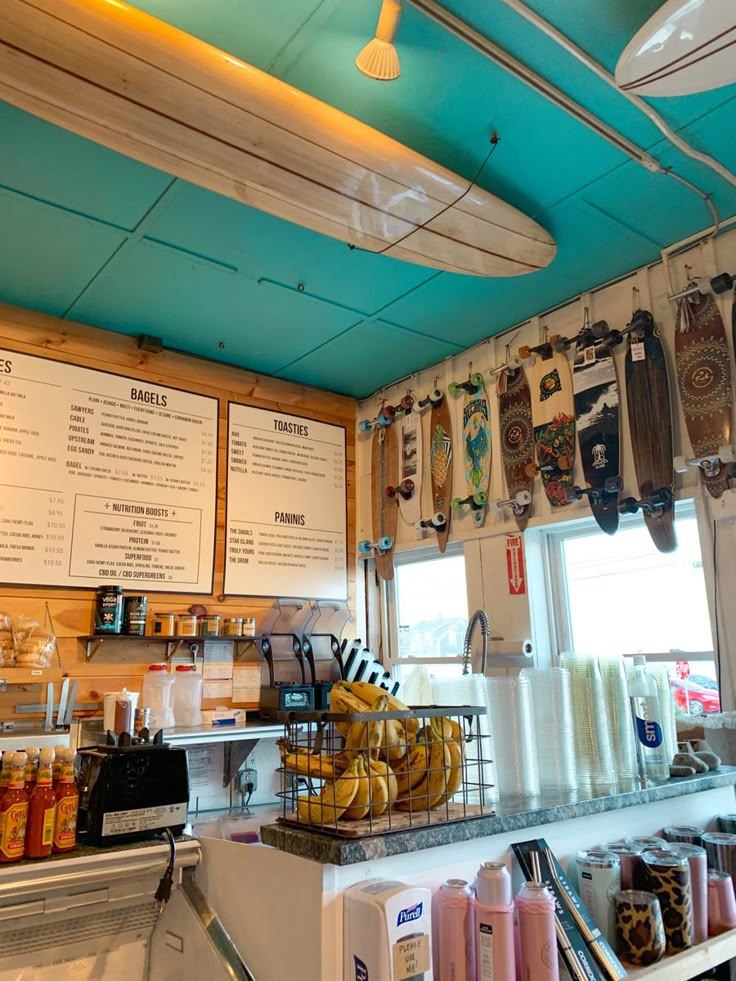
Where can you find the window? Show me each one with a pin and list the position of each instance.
(429, 608)
(618, 594)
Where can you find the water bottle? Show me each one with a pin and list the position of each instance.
(650, 750)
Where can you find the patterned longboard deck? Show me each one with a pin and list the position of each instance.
(411, 461)
(650, 423)
(596, 413)
(704, 379)
(477, 447)
(553, 416)
(384, 511)
(440, 465)
(517, 437)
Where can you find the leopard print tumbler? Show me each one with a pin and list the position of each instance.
(667, 875)
(640, 939)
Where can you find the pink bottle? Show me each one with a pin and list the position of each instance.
(536, 908)
(698, 862)
(494, 924)
(721, 903)
(455, 932)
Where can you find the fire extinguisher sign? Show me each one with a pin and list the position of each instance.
(515, 564)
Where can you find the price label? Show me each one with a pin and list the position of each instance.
(637, 351)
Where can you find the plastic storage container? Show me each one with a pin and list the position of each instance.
(156, 696)
(187, 696)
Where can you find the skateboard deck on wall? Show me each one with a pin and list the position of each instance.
(476, 438)
(517, 437)
(650, 424)
(411, 461)
(440, 465)
(704, 380)
(384, 511)
(597, 418)
(553, 416)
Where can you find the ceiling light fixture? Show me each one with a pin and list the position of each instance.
(379, 58)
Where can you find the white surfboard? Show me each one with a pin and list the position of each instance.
(687, 46)
(116, 75)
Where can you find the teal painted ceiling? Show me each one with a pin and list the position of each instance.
(92, 236)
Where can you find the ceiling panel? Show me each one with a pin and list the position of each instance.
(48, 256)
(355, 362)
(52, 164)
(253, 242)
(195, 305)
(246, 28)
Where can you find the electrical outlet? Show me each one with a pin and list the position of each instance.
(250, 776)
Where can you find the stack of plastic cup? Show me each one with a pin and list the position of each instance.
(513, 737)
(553, 728)
(613, 672)
(666, 707)
(480, 766)
(596, 772)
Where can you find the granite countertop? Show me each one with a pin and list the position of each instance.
(514, 815)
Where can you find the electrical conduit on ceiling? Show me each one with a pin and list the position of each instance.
(582, 56)
(484, 46)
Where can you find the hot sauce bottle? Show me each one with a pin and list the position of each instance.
(42, 810)
(14, 812)
(5, 774)
(56, 769)
(67, 806)
(32, 752)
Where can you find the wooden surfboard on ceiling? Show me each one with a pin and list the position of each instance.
(131, 82)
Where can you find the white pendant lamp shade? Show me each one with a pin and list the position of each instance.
(379, 58)
(687, 46)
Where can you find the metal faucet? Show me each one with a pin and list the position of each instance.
(479, 617)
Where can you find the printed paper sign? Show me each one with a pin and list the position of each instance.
(515, 564)
(104, 478)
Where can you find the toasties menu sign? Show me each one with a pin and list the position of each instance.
(286, 506)
(104, 479)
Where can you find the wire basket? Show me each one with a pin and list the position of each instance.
(369, 773)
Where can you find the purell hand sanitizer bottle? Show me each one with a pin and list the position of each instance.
(650, 747)
(387, 932)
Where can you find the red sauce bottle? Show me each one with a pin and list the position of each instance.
(42, 810)
(67, 806)
(14, 812)
(56, 769)
(32, 752)
(5, 774)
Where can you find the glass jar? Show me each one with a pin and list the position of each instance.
(249, 627)
(163, 624)
(233, 627)
(187, 625)
(211, 625)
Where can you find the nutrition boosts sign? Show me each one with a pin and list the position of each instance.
(286, 506)
(104, 478)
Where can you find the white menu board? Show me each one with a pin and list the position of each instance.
(286, 530)
(104, 479)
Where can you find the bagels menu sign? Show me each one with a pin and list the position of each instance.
(104, 478)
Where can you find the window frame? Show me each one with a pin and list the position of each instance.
(558, 603)
(390, 626)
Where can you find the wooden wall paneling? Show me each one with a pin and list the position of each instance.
(72, 610)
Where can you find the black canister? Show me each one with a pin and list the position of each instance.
(134, 615)
(109, 610)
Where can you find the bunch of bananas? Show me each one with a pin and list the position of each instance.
(385, 763)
